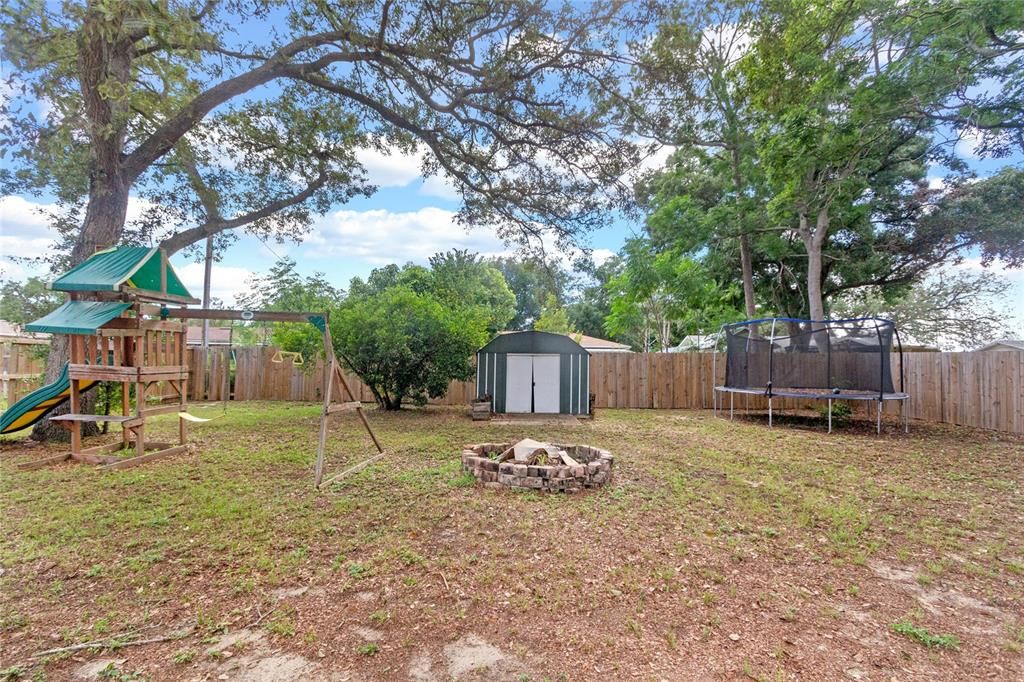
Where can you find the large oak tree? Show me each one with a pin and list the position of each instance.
(249, 114)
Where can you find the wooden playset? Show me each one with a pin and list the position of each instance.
(125, 320)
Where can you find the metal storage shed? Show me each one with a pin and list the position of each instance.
(534, 371)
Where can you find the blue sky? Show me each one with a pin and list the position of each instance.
(408, 219)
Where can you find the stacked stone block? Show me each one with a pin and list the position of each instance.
(594, 468)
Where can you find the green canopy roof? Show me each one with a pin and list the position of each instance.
(135, 266)
(78, 317)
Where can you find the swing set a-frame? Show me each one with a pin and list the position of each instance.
(332, 375)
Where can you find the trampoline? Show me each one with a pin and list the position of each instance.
(783, 357)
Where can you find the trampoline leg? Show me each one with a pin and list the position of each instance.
(731, 401)
(769, 412)
(878, 423)
(906, 418)
(830, 415)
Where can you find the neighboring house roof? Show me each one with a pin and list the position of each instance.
(78, 317)
(695, 342)
(592, 343)
(10, 331)
(136, 267)
(219, 336)
(1004, 344)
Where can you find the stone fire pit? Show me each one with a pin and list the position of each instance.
(532, 465)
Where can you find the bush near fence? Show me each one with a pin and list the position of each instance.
(983, 389)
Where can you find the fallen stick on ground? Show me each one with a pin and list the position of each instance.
(260, 619)
(111, 643)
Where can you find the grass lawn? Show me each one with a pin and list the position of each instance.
(721, 550)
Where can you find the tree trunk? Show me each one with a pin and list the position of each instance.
(389, 403)
(814, 241)
(747, 268)
(815, 305)
(102, 228)
(746, 257)
(103, 63)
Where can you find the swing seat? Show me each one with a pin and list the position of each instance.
(192, 418)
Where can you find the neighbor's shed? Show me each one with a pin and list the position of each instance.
(534, 371)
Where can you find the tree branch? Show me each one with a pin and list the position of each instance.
(180, 240)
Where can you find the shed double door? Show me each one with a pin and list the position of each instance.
(533, 383)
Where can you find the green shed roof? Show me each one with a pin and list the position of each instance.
(135, 266)
(78, 317)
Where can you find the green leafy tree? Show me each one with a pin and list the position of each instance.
(553, 318)
(405, 344)
(461, 278)
(284, 289)
(406, 331)
(827, 132)
(658, 295)
(961, 62)
(24, 302)
(532, 280)
(587, 314)
(689, 94)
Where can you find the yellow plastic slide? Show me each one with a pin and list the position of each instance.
(39, 402)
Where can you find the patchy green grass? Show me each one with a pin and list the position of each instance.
(921, 635)
(670, 556)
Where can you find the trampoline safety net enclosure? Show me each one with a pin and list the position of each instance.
(816, 359)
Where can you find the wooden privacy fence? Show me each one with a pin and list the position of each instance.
(257, 376)
(972, 389)
(983, 389)
(21, 367)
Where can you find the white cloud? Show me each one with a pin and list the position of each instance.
(441, 187)
(381, 236)
(20, 217)
(24, 232)
(1015, 275)
(14, 272)
(654, 161)
(390, 168)
(658, 159)
(225, 281)
(26, 229)
(969, 143)
(601, 255)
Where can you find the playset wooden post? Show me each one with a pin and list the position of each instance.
(134, 352)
